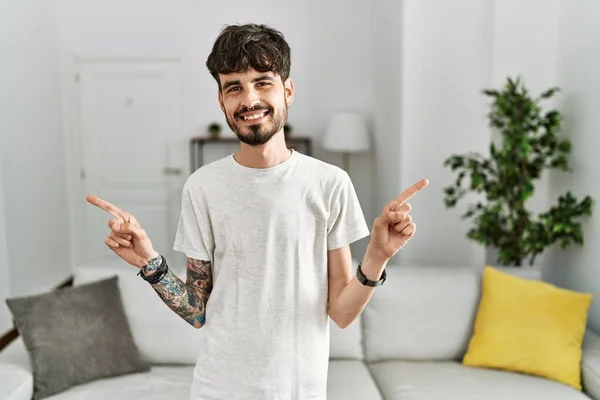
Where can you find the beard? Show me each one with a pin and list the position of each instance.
(261, 132)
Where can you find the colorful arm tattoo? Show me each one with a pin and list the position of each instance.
(188, 300)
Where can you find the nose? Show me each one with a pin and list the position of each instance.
(250, 98)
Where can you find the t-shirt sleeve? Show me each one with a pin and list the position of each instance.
(346, 223)
(194, 236)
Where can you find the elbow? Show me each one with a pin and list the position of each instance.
(197, 321)
(342, 324)
(342, 321)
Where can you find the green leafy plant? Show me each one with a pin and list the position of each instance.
(214, 130)
(529, 144)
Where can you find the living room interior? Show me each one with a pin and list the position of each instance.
(413, 71)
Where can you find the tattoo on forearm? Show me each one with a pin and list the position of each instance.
(153, 264)
(188, 299)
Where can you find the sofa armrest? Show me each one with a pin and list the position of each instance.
(590, 365)
(16, 383)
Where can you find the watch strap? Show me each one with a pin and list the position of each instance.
(366, 281)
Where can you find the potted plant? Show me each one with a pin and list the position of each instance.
(214, 130)
(529, 144)
(287, 130)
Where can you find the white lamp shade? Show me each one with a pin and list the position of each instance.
(346, 132)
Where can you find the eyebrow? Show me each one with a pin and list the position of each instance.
(257, 79)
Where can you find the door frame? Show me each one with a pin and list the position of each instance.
(70, 101)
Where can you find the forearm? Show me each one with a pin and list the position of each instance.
(355, 296)
(182, 298)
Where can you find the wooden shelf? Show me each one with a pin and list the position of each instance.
(198, 144)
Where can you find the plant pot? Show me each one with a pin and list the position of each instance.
(214, 133)
(524, 271)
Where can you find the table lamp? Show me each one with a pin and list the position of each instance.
(346, 132)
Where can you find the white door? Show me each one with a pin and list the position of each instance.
(129, 124)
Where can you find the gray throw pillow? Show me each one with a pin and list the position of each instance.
(76, 335)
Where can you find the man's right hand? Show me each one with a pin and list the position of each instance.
(127, 238)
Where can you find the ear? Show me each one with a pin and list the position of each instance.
(289, 90)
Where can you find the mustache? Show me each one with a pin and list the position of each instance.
(249, 109)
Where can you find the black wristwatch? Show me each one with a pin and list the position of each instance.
(365, 281)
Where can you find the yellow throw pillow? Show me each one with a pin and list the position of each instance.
(529, 326)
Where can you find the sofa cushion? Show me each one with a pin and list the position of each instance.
(161, 383)
(346, 343)
(15, 362)
(76, 335)
(590, 364)
(347, 379)
(16, 383)
(414, 380)
(421, 313)
(161, 335)
(350, 379)
(529, 326)
(16, 353)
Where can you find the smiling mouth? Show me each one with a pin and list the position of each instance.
(254, 116)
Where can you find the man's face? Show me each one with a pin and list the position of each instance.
(255, 104)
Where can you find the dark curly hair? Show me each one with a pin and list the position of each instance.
(239, 48)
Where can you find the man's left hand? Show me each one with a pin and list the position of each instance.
(394, 227)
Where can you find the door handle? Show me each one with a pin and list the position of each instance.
(172, 171)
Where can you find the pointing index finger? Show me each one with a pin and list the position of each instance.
(105, 205)
(408, 193)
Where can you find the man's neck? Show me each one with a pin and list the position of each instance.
(270, 154)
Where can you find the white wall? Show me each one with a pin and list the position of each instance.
(577, 61)
(445, 62)
(340, 72)
(386, 74)
(31, 149)
(5, 316)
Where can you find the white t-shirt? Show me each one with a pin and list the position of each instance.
(266, 233)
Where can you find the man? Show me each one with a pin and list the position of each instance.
(267, 232)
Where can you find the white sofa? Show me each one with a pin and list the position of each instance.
(406, 346)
